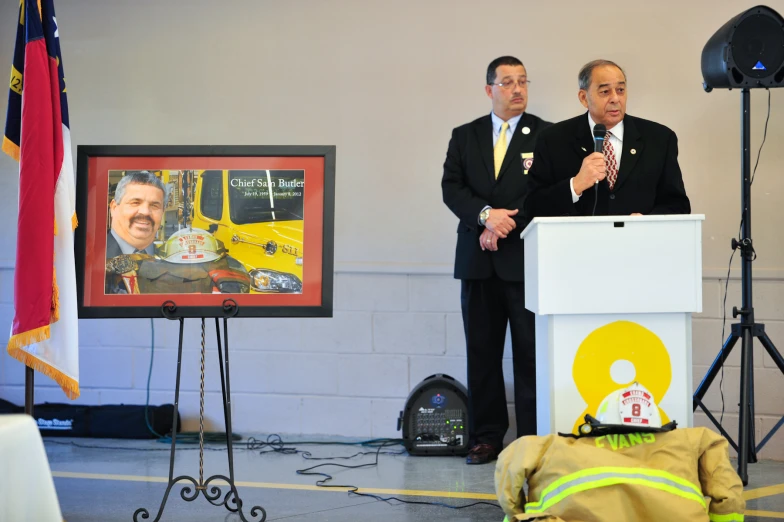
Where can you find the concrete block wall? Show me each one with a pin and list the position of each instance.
(350, 375)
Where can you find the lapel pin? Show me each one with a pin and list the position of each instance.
(526, 130)
(633, 151)
(584, 149)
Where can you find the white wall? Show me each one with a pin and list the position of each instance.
(386, 83)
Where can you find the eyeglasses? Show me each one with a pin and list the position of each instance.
(508, 84)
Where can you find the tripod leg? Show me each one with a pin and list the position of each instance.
(718, 425)
(746, 428)
(770, 434)
(752, 431)
(771, 349)
(779, 360)
(713, 371)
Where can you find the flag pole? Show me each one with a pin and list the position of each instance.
(29, 383)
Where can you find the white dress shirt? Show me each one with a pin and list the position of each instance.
(498, 122)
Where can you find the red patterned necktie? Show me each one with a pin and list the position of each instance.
(609, 161)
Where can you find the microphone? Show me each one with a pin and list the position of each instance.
(599, 132)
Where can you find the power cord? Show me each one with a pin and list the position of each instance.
(149, 376)
(273, 441)
(764, 137)
(729, 268)
(275, 444)
(50, 440)
(723, 325)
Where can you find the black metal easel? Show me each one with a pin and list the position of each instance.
(747, 329)
(212, 493)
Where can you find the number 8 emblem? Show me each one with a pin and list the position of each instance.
(620, 341)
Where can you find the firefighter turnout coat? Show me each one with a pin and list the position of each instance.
(624, 477)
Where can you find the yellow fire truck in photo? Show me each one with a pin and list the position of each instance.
(258, 215)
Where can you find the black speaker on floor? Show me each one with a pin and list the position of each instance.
(746, 52)
(435, 418)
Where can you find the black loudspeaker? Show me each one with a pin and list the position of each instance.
(747, 52)
(435, 418)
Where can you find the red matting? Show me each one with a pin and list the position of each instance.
(96, 223)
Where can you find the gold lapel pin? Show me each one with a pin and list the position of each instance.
(633, 151)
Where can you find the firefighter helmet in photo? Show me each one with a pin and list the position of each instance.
(190, 261)
(191, 246)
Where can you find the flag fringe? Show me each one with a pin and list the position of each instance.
(11, 148)
(69, 385)
(74, 222)
(55, 297)
(36, 335)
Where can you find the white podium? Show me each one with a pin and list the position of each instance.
(613, 298)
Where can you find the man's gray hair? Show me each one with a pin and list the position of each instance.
(140, 177)
(584, 77)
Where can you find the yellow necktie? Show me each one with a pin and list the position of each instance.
(500, 149)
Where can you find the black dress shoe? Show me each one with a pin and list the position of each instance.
(482, 454)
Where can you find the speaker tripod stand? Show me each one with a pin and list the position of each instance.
(747, 329)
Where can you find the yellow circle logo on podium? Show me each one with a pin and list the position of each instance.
(620, 341)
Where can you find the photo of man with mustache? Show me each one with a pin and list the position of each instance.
(189, 260)
(136, 210)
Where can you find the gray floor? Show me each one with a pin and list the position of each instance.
(111, 482)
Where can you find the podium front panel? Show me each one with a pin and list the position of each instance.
(583, 358)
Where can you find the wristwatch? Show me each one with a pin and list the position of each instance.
(484, 215)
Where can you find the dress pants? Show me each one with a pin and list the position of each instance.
(488, 306)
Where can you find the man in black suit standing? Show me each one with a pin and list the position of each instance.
(636, 173)
(484, 184)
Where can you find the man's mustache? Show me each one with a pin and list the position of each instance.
(141, 219)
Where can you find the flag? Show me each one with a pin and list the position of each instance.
(44, 333)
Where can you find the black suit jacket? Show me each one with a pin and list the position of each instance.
(649, 179)
(469, 184)
(112, 247)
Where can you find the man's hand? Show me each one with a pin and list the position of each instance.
(592, 170)
(488, 240)
(500, 221)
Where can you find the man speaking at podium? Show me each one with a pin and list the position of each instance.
(635, 173)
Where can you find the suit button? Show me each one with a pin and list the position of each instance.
(612, 196)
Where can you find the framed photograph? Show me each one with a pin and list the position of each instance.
(205, 231)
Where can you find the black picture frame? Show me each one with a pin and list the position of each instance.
(92, 189)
